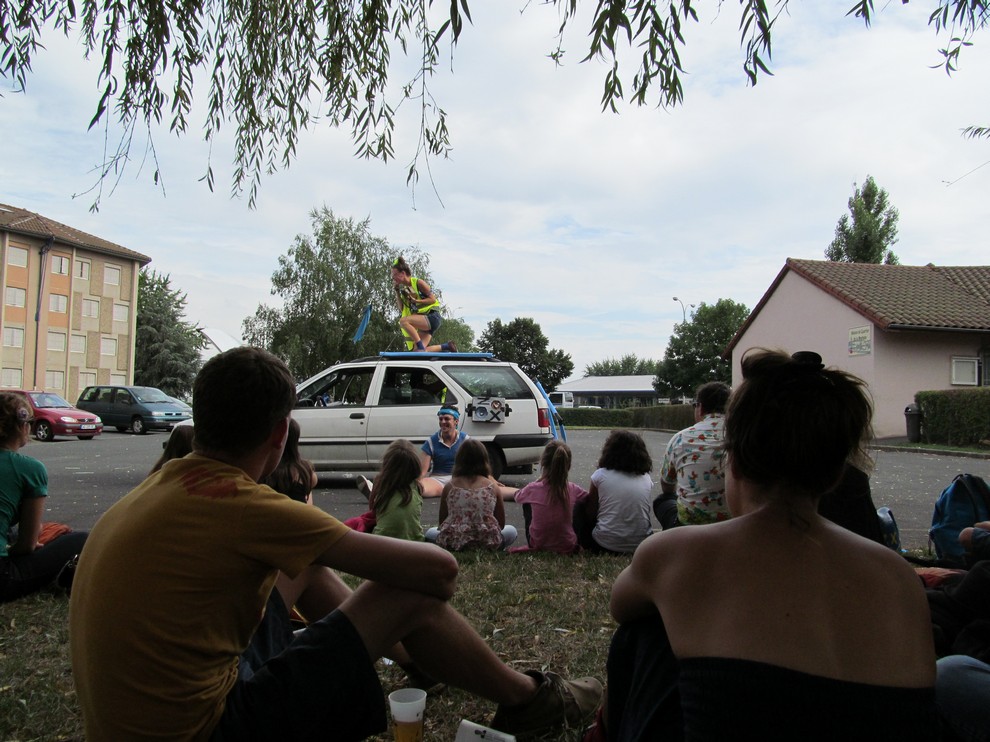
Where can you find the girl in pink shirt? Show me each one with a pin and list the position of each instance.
(548, 503)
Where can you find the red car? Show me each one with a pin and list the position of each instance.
(54, 416)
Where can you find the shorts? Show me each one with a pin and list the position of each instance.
(435, 320)
(319, 684)
(444, 479)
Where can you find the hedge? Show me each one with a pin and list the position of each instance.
(955, 417)
(661, 417)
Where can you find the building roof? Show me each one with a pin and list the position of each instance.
(897, 297)
(22, 221)
(640, 384)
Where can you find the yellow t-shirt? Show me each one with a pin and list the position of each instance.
(170, 587)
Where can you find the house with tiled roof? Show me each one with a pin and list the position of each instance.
(69, 311)
(901, 328)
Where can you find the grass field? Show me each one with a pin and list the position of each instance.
(537, 611)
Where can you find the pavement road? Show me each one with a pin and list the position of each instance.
(87, 477)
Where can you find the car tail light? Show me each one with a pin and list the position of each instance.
(543, 417)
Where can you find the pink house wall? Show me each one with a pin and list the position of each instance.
(801, 316)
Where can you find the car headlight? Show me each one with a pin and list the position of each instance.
(158, 413)
(67, 419)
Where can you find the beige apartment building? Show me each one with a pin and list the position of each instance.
(69, 309)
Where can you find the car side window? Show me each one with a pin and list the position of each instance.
(105, 394)
(344, 387)
(124, 397)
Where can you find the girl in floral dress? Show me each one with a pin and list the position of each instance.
(472, 515)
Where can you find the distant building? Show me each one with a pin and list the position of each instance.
(901, 328)
(69, 311)
(612, 391)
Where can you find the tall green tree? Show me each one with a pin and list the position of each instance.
(522, 341)
(694, 352)
(865, 234)
(275, 69)
(166, 346)
(324, 283)
(628, 365)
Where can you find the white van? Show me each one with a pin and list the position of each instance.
(561, 399)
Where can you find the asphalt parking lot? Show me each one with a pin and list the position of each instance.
(87, 477)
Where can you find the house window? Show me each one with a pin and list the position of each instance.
(118, 379)
(87, 378)
(120, 312)
(77, 344)
(82, 269)
(56, 340)
(965, 371)
(54, 379)
(10, 377)
(108, 346)
(91, 308)
(15, 297)
(13, 337)
(60, 265)
(17, 256)
(111, 275)
(58, 303)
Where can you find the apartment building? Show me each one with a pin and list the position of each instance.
(69, 309)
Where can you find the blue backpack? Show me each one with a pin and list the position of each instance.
(964, 502)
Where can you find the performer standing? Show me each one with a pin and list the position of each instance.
(420, 318)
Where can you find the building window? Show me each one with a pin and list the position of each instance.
(77, 344)
(13, 337)
(82, 269)
(966, 371)
(15, 297)
(10, 377)
(58, 303)
(118, 379)
(108, 346)
(120, 312)
(60, 265)
(54, 379)
(111, 275)
(56, 340)
(87, 378)
(91, 308)
(17, 257)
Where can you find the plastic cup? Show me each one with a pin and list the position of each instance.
(407, 706)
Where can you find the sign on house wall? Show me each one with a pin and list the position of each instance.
(861, 340)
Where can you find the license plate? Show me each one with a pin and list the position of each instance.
(87, 427)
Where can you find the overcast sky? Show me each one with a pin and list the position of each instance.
(588, 222)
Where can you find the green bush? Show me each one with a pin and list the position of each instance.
(661, 417)
(955, 417)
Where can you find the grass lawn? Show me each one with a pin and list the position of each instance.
(537, 611)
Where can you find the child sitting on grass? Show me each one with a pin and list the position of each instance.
(472, 515)
(397, 498)
(549, 502)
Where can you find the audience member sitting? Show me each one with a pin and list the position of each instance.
(27, 565)
(850, 505)
(397, 500)
(179, 443)
(775, 624)
(615, 517)
(472, 515)
(692, 476)
(548, 503)
(173, 584)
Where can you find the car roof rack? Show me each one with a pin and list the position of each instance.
(412, 355)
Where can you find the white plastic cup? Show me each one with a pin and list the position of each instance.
(407, 706)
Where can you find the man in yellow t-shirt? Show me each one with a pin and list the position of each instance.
(175, 630)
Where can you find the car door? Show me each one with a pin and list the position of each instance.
(332, 413)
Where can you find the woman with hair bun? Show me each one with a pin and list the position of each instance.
(26, 565)
(775, 624)
(420, 309)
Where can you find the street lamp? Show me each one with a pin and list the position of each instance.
(683, 309)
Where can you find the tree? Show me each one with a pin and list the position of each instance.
(868, 235)
(694, 352)
(628, 365)
(325, 281)
(166, 347)
(275, 69)
(522, 341)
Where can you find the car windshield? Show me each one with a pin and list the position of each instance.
(150, 395)
(481, 380)
(49, 400)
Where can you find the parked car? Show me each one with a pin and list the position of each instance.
(350, 412)
(54, 416)
(140, 408)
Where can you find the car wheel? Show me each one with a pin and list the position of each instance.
(496, 460)
(121, 428)
(137, 425)
(85, 437)
(43, 431)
